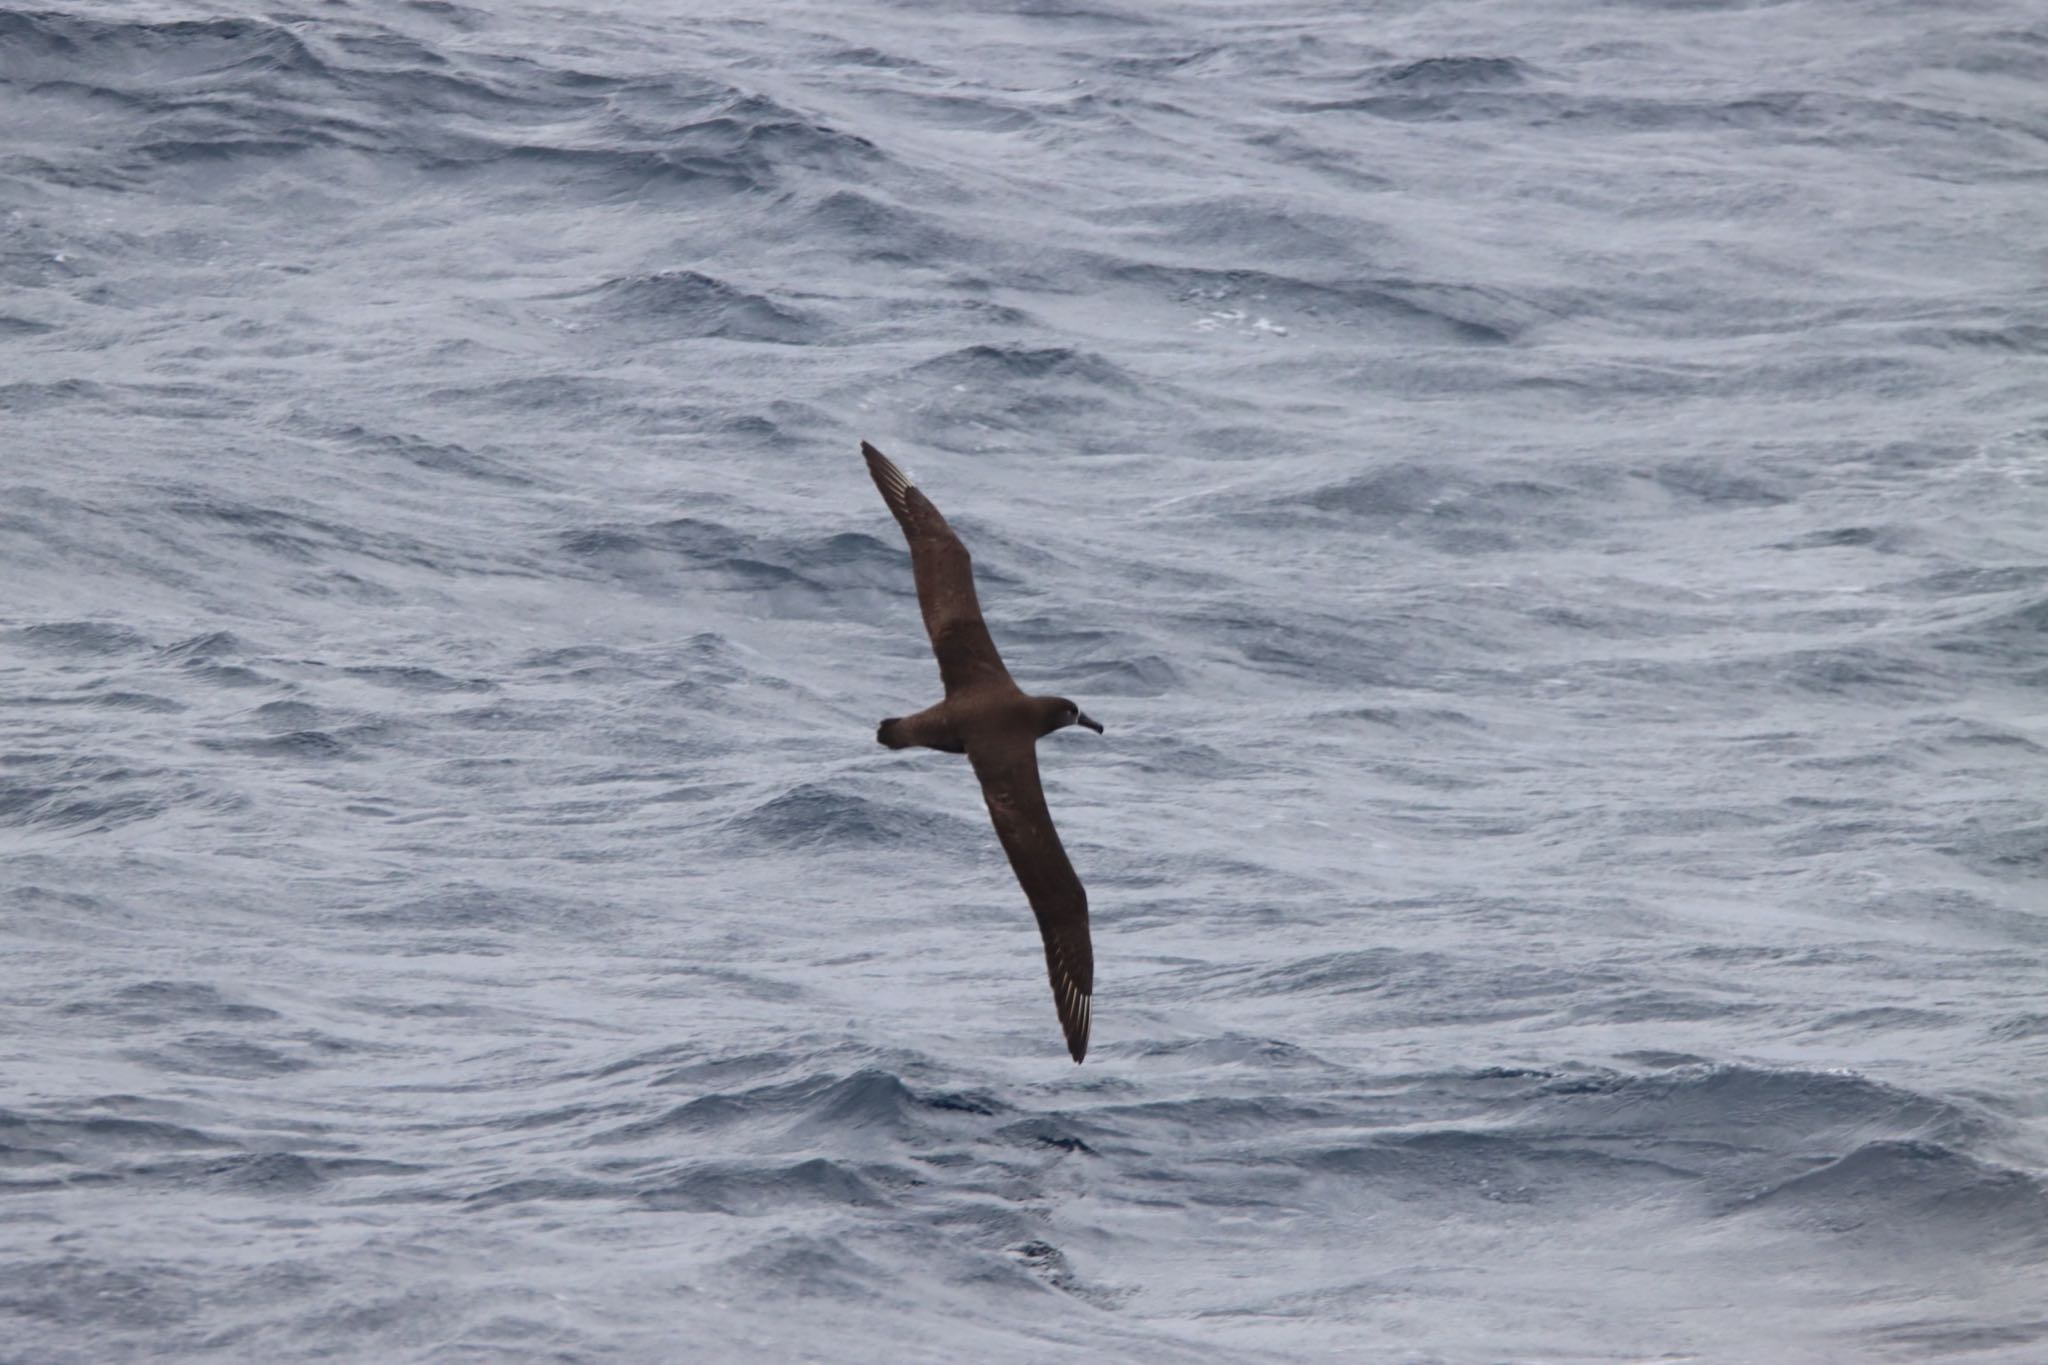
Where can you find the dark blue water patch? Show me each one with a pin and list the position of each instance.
(86, 794)
(20, 1158)
(868, 1100)
(257, 1173)
(601, 665)
(2016, 634)
(799, 1267)
(69, 914)
(1682, 820)
(1878, 539)
(1925, 1193)
(2022, 581)
(797, 1059)
(1961, 1338)
(2016, 337)
(1175, 758)
(855, 559)
(23, 397)
(688, 1064)
(1416, 720)
(753, 1190)
(1451, 512)
(1057, 1133)
(301, 746)
(150, 1003)
(922, 316)
(816, 1107)
(415, 678)
(1362, 969)
(997, 368)
(567, 1116)
(2019, 1027)
(1971, 733)
(36, 48)
(820, 817)
(300, 539)
(82, 1298)
(1789, 116)
(235, 92)
(1050, 652)
(557, 398)
(1456, 73)
(536, 1188)
(100, 1136)
(696, 793)
(868, 228)
(228, 675)
(1868, 674)
(1199, 58)
(799, 573)
(1716, 482)
(1741, 1125)
(741, 143)
(1875, 1019)
(1220, 1118)
(1994, 847)
(1662, 1006)
(1834, 837)
(216, 644)
(733, 555)
(284, 716)
(84, 638)
(433, 457)
(147, 703)
(1354, 655)
(673, 304)
(1257, 1054)
(220, 1054)
(705, 1114)
(472, 906)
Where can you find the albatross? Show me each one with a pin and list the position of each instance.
(986, 716)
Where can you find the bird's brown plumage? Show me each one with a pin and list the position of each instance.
(945, 582)
(988, 716)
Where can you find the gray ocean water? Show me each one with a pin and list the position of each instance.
(1550, 501)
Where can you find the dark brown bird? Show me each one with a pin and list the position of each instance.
(986, 716)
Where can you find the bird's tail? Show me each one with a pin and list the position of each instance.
(890, 732)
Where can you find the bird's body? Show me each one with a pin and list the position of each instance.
(986, 716)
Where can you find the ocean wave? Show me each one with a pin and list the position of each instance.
(686, 303)
(817, 816)
(1917, 1198)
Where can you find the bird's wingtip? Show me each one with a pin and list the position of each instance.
(893, 482)
(1077, 1037)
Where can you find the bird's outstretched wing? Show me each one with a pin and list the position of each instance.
(945, 581)
(1016, 802)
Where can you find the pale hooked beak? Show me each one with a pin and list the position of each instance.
(1080, 718)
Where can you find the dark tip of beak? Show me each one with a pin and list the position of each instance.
(1080, 719)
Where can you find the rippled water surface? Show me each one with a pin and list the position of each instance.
(1549, 500)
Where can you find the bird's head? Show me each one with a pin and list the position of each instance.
(1057, 713)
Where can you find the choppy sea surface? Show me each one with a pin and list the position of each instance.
(1550, 501)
